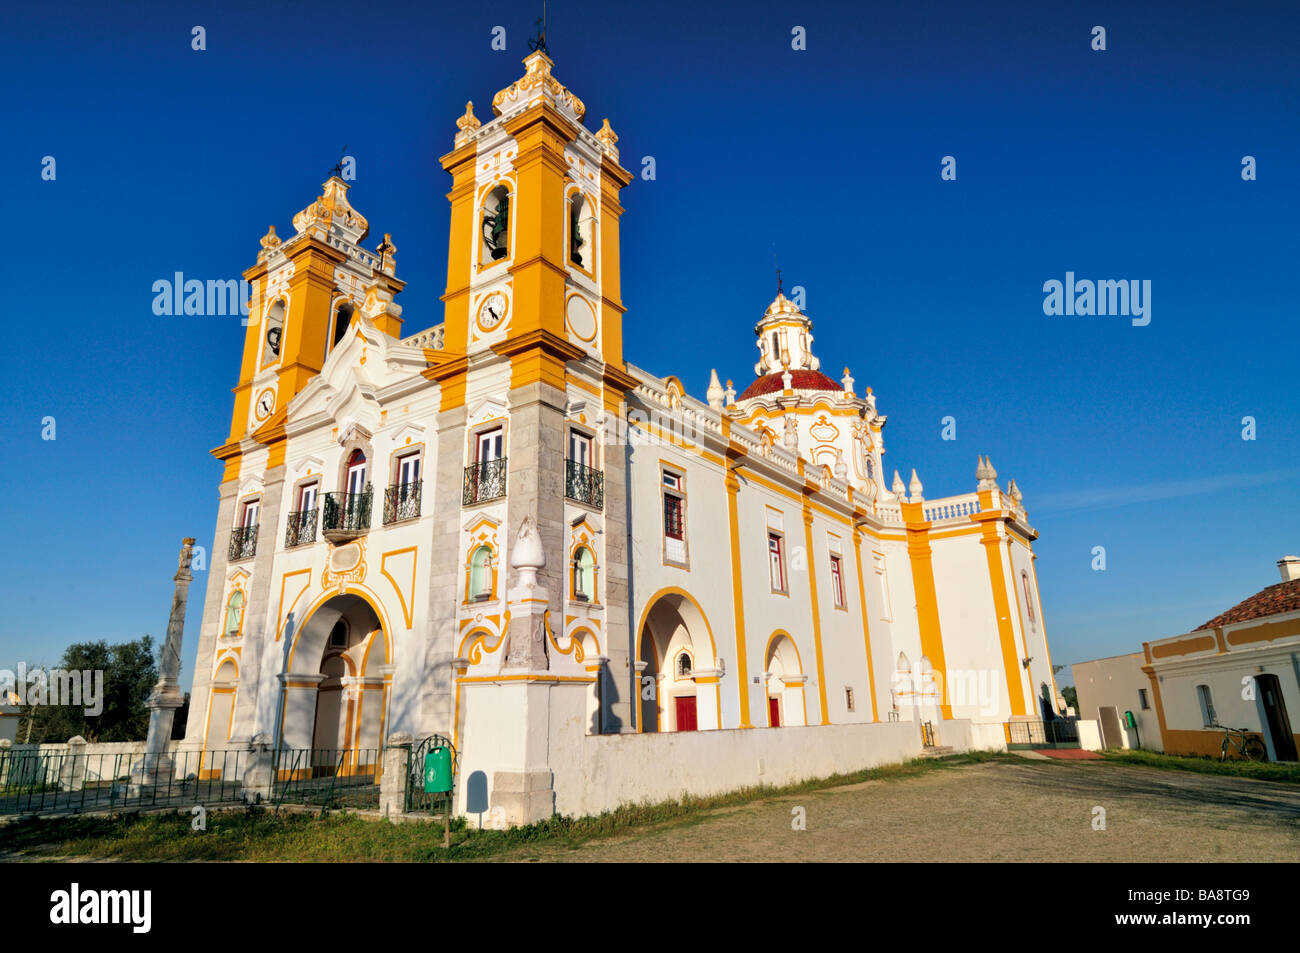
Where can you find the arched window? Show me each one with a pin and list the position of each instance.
(234, 613)
(580, 247)
(274, 332)
(356, 473)
(342, 319)
(683, 665)
(480, 573)
(584, 575)
(496, 225)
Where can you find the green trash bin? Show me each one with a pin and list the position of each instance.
(437, 771)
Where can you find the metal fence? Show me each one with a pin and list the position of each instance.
(328, 778)
(1059, 732)
(66, 782)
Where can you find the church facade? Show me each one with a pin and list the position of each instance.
(500, 531)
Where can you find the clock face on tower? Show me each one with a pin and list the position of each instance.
(265, 405)
(492, 311)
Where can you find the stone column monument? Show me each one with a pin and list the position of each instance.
(156, 767)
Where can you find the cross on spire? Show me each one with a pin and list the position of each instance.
(539, 44)
(338, 166)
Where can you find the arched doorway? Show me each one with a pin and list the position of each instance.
(785, 682)
(678, 688)
(335, 697)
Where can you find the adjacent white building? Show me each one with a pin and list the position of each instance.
(1239, 670)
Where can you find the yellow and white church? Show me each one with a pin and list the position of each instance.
(599, 587)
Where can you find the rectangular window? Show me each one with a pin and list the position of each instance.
(837, 581)
(357, 478)
(307, 497)
(248, 518)
(674, 518)
(1142, 699)
(848, 698)
(1208, 717)
(408, 469)
(490, 446)
(580, 450)
(776, 561)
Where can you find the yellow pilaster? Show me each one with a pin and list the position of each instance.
(927, 602)
(816, 609)
(737, 592)
(1002, 606)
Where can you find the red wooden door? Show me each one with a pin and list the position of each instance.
(685, 712)
(774, 712)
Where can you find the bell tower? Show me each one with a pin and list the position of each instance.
(533, 260)
(306, 291)
(530, 371)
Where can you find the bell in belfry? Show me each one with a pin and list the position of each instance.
(496, 227)
(574, 254)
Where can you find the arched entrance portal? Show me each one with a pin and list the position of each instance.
(785, 682)
(335, 696)
(678, 674)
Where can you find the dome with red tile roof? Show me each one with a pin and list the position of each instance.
(800, 379)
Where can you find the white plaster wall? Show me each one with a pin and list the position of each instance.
(968, 622)
(1034, 631)
(622, 769)
(708, 542)
(904, 628)
(843, 642)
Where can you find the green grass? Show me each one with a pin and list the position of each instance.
(1259, 771)
(263, 835)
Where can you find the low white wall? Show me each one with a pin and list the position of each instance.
(962, 734)
(93, 749)
(1089, 735)
(646, 768)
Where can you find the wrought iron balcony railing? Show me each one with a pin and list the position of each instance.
(243, 542)
(301, 528)
(584, 484)
(347, 515)
(401, 502)
(484, 481)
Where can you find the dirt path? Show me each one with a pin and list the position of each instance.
(999, 811)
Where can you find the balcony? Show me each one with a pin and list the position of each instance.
(401, 502)
(243, 542)
(584, 484)
(301, 528)
(484, 481)
(347, 515)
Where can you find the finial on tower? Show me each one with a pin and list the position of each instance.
(538, 45)
(914, 488)
(337, 171)
(715, 394)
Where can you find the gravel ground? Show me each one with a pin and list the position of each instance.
(998, 811)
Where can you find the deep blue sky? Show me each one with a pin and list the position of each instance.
(1122, 164)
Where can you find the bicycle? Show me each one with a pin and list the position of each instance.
(1249, 748)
